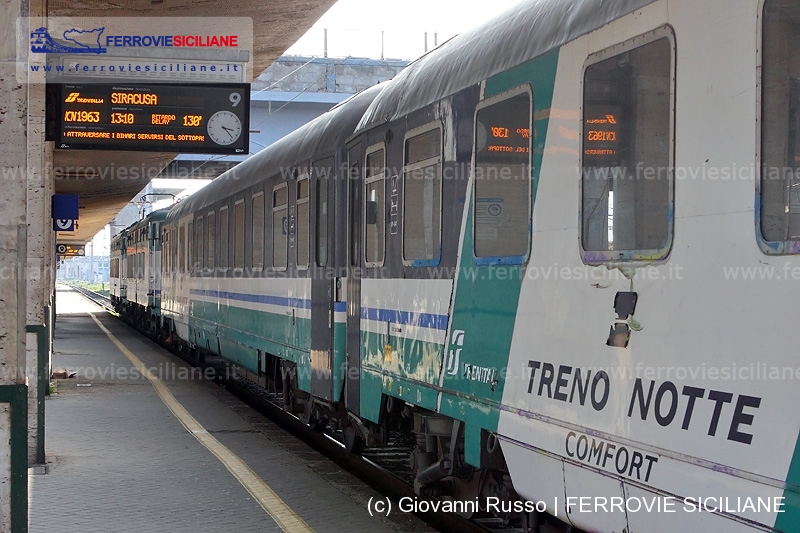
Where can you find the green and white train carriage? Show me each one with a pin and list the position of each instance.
(251, 261)
(567, 253)
(135, 276)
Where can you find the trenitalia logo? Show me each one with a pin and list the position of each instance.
(76, 98)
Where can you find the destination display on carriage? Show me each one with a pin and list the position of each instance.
(200, 118)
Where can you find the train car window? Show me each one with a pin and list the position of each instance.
(200, 256)
(627, 146)
(238, 234)
(280, 225)
(164, 250)
(375, 206)
(182, 248)
(503, 176)
(224, 249)
(354, 208)
(322, 169)
(780, 136)
(258, 231)
(190, 247)
(422, 197)
(211, 221)
(302, 221)
(173, 240)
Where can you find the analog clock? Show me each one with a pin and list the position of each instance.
(224, 127)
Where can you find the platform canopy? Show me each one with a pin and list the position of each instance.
(276, 25)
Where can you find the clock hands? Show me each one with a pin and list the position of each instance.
(224, 127)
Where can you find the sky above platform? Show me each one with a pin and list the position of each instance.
(355, 26)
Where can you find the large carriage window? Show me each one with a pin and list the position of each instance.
(302, 221)
(211, 221)
(166, 252)
(280, 225)
(422, 197)
(190, 247)
(129, 266)
(503, 175)
(238, 234)
(627, 153)
(223, 237)
(258, 231)
(374, 207)
(200, 241)
(174, 240)
(182, 248)
(780, 173)
(323, 171)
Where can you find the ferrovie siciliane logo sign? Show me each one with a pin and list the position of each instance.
(76, 41)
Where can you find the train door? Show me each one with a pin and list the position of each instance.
(352, 390)
(320, 269)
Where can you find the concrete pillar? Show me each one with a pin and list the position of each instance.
(13, 227)
(40, 247)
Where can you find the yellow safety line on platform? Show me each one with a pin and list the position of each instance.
(281, 513)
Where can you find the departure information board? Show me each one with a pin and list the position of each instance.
(197, 118)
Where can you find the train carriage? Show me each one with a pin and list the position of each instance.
(252, 261)
(579, 354)
(559, 252)
(136, 271)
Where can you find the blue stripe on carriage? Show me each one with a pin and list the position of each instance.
(424, 320)
(409, 318)
(264, 299)
(255, 298)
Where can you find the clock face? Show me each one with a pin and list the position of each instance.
(224, 127)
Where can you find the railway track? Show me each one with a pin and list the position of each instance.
(378, 467)
(386, 468)
(99, 299)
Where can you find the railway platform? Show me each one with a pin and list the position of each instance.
(137, 441)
